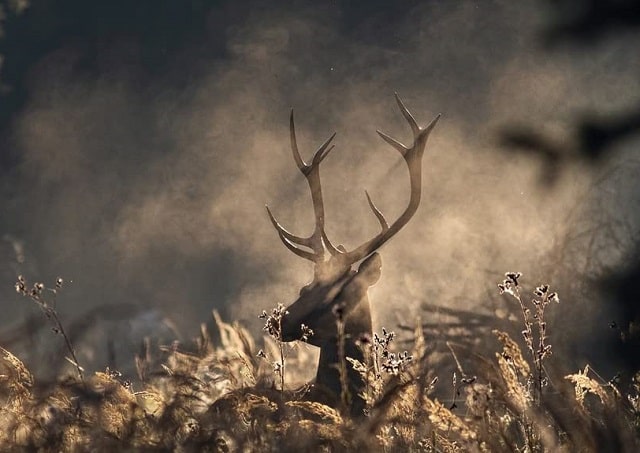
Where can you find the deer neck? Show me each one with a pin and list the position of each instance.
(328, 379)
(333, 356)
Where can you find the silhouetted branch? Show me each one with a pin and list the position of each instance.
(592, 139)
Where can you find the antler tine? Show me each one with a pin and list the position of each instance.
(291, 241)
(294, 144)
(323, 151)
(319, 155)
(408, 116)
(418, 132)
(377, 213)
(330, 247)
(286, 234)
(413, 158)
(301, 253)
(393, 142)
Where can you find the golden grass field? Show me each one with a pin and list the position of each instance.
(226, 396)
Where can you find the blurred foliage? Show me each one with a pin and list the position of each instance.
(586, 21)
(581, 23)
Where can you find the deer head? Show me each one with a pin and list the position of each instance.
(337, 295)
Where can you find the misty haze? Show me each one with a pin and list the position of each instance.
(140, 144)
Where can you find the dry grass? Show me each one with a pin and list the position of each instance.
(224, 397)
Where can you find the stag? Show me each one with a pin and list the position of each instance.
(335, 305)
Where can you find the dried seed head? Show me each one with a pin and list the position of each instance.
(307, 332)
(512, 277)
(21, 287)
(541, 290)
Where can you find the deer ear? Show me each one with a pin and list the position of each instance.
(370, 269)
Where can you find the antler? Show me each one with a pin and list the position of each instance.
(318, 241)
(413, 158)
